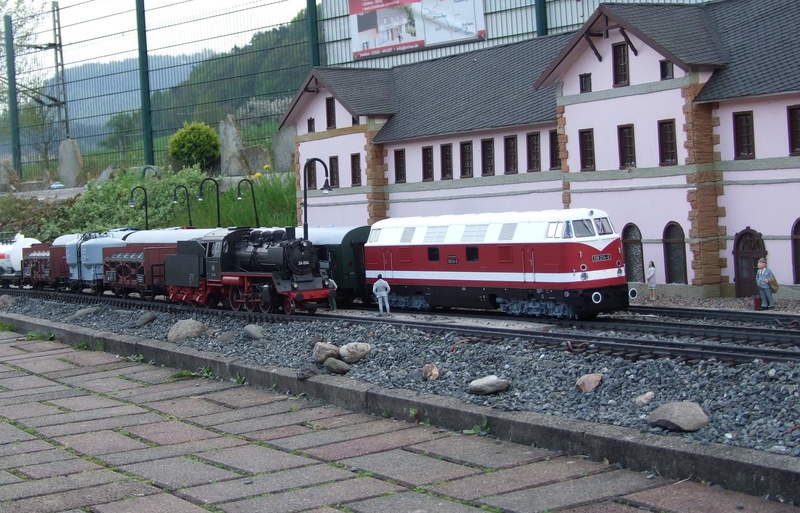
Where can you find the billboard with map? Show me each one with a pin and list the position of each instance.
(381, 27)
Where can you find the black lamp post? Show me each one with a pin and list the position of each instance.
(252, 193)
(175, 201)
(200, 196)
(325, 189)
(132, 204)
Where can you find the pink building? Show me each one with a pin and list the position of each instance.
(681, 121)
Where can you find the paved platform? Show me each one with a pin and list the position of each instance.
(84, 430)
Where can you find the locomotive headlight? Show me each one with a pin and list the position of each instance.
(326, 282)
(584, 276)
(619, 271)
(294, 285)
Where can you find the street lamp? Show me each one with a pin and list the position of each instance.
(252, 193)
(132, 204)
(325, 190)
(200, 196)
(175, 201)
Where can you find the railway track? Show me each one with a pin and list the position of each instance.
(623, 337)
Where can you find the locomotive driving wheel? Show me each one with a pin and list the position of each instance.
(288, 306)
(235, 298)
(266, 307)
(249, 303)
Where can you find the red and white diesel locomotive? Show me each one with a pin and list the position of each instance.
(552, 263)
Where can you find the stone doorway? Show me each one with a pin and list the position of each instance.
(748, 248)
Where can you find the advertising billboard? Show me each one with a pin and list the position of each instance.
(381, 27)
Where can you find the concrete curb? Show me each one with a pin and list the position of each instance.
(743, 470)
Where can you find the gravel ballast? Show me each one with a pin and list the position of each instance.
(753, 405)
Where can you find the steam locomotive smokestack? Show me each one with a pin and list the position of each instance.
(290, 232)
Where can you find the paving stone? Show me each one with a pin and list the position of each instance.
(25, 383)
(188, 407)
(113, 370)
(153, 375)
(371, 444)
(59, 484)
(58, 468)
(162, 502)
(410, 502)
(37, 457)
(124, 421)
(408, 468)
(108, 385)
(255, 459)
(238, 489)
(171, 432)
(244, 397)
(11, 448)
(9, 433)
(77, 499)
(91, 358)
(41, 346)
(482, 451)
(36, 394)
(179, 472)
(687, 496)
(518, 478)
(306, 414)
(100, 442)
(278, 432)
(28, 410)
(168, 451)
(329, 436)
(315, 496)
(604, 507)
(85, 415)
(247, 413)
(576, 492)
(45, 365)
(6, 478)
(172, 390)
(86, 402)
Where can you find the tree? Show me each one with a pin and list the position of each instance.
(26, 15)
(40, 133)
(123, 131)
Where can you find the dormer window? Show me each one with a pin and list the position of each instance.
(585, 82)
(620, 62)
(667, 70)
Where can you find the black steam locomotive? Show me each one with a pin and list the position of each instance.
(250, 269)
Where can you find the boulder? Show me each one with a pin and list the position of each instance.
(679, 416)
(489, 385)
(185, 329)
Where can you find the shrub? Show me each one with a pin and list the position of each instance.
(195, 143)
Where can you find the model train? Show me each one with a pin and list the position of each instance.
(241, 267)
(554, 263)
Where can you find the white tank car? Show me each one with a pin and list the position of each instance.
(82, 264)
(165, 236)
(11, 253)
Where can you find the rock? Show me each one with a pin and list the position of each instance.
(336, 366)
(489, 385)
(323, 351)
(185, 329)
(254, 331)
(430, 372)
(232, 161)
(145, 318)
(307, 371)
(679, 416)
(6, 300)
(227, 337)
(70, 162)
(354, 351)
(644, 399)
(82, 312)
(588, 382)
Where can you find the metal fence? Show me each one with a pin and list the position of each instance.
(205, 60)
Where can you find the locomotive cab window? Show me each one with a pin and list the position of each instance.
(433, 254)
(583, 228)
(603, 226)
(472, 253)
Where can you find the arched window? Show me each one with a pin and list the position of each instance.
(634, 256)
(796, 251)
(675, 254)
